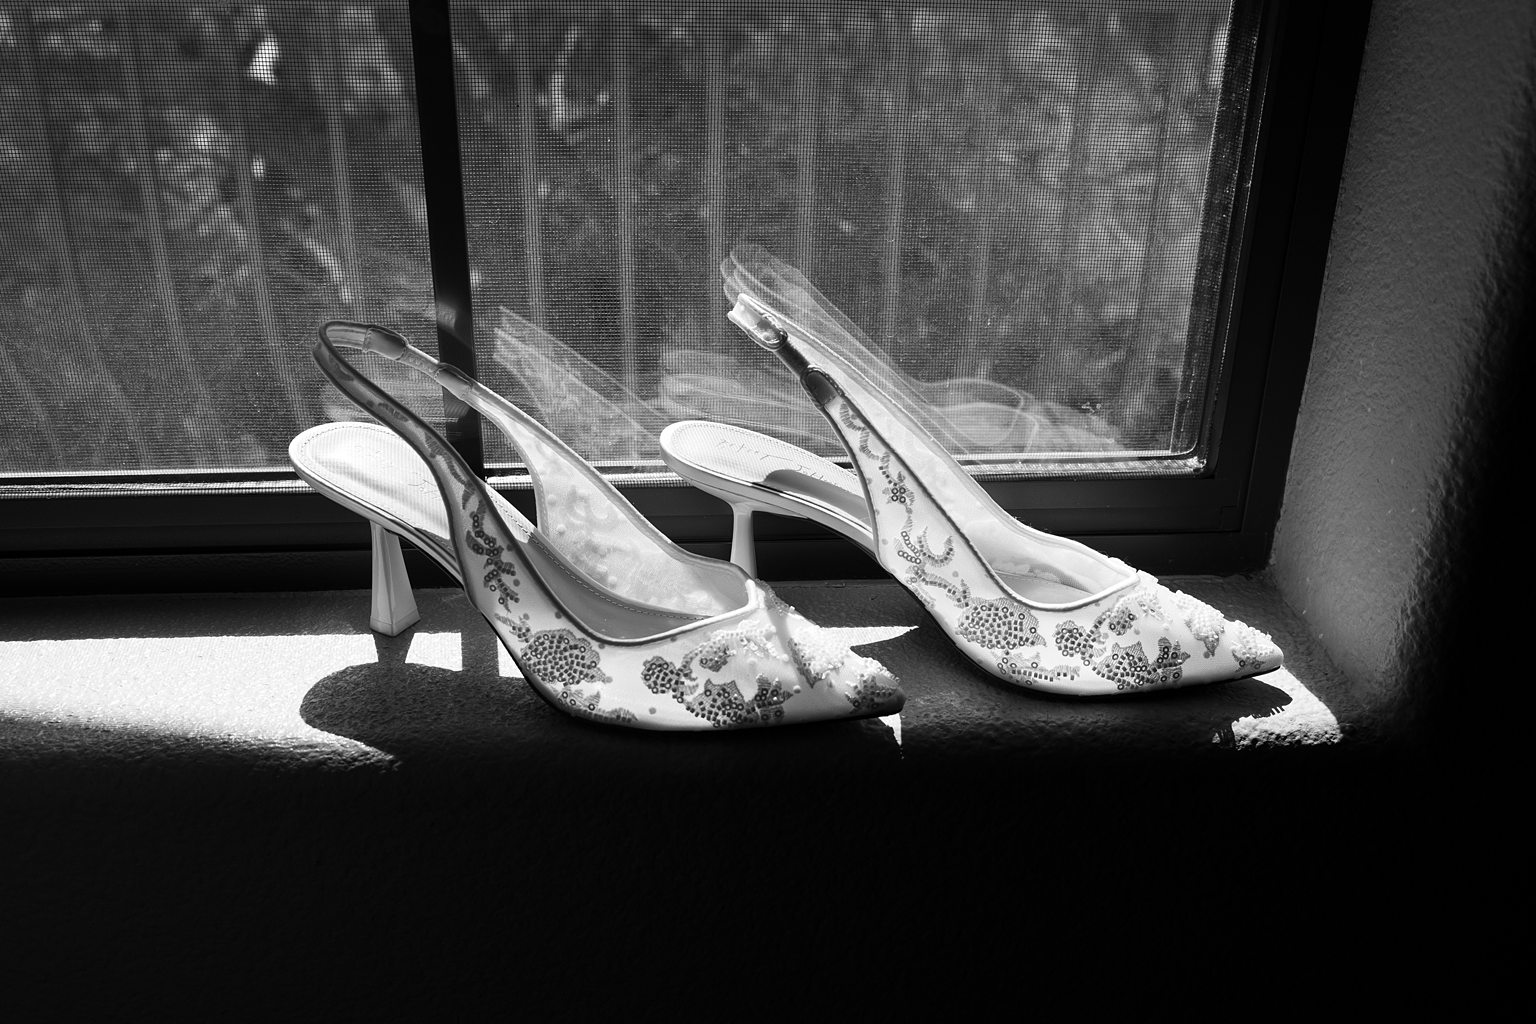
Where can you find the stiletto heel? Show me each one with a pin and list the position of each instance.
(755, 473)
(603, 615)
(394, 606)
(1033, 609)
(743, 547)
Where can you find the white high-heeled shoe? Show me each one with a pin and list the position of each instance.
(603, 615)
(1036, 610)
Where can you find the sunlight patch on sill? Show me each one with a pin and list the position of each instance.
(241, 690)
(245, 690)
(445, 651)
(250, 690)
(1305, 721)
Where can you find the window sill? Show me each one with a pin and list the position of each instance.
(297, 681)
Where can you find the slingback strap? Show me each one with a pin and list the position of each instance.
(763, 328)
(465, 496)
(384, 342)
(567, 490)
(902, 468)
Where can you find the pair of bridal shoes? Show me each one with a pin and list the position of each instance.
(1035, 610)
(603, 615)
(610, 621)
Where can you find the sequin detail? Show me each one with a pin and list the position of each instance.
(1118, 620)
(720, 703)
(874, 692)
(585, 705)
(1125, 665)
(1136, 638)
(1250, 647)
(917, 550)
(1033, 673)
(1000, 625)
(1073, 640)
(1128, 668)
(500, 574)
(561, 658)
(736, 671)
(818, 658)
(1171, 657)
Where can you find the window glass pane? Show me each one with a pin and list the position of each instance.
(186, 191)
(1015, 201)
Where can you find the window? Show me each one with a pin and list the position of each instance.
(1074, 217)
(190, 188)
(1015, 201)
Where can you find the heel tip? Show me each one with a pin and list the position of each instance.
(394, 627)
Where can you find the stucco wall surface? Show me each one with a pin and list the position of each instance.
(1425, 180)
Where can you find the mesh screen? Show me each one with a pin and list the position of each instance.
(186, 190)
(1014, 202)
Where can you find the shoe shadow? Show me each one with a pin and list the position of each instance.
(950, 699)
(419, 713)
(423, 715)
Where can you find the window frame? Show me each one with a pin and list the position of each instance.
(274, 534)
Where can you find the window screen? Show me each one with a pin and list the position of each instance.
(1018, 203)
(1015, 202)
(186, 190)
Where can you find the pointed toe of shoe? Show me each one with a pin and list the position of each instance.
(870, 689)
(853, 685)
(834, 680)
(1254, 650)
(1220, 649)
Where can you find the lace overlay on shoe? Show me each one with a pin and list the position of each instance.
(607, 539)
(1137, 637)
(740, 668)
(1036, 609)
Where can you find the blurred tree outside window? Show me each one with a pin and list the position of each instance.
(1016, 202)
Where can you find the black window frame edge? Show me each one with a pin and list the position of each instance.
(1221, 521)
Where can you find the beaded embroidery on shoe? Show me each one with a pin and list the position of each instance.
(1105, 628)
(730, 654)
(1119, 643)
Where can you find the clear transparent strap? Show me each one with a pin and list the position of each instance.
(579, 513)
(956, 505)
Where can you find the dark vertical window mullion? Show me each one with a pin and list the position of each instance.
(1223, 221)
(447, 238)
(61, 243)
(624, 187)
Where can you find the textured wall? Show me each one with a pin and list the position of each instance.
(1425, 183)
